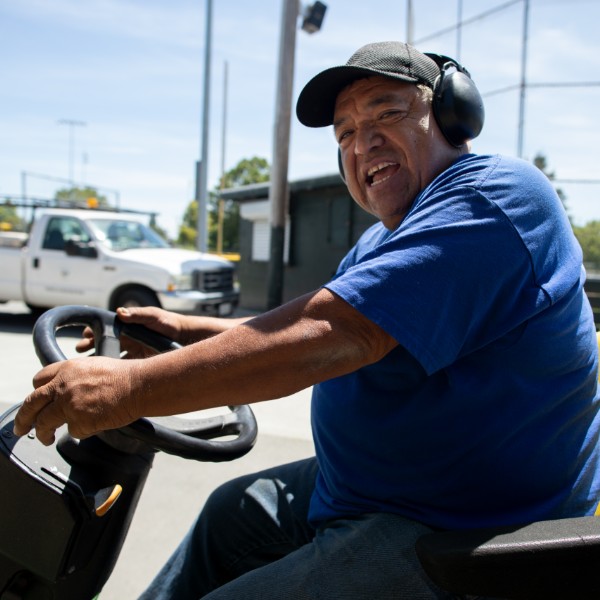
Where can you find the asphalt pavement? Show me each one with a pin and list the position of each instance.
(176, 488)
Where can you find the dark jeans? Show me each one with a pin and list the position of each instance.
(252, 542)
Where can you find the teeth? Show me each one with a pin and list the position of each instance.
(374, 183)
(378, 167)
(374, 170)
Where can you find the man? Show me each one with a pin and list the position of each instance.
(453, 359)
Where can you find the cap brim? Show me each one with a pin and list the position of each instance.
(316, 103)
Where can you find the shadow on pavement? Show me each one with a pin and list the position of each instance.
(22, 321)
(11, 322)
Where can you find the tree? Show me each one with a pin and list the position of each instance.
(10, 220)
(542, 164)
(247, 171)
(588, 237)
(188, 228)
(81, 196)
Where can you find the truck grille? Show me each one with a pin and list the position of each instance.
(213, 281)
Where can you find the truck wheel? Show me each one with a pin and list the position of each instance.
(136, 297)
(37, 311)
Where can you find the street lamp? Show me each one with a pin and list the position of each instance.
(313, 17)
(278, 190)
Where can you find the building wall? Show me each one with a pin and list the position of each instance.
(324, 224)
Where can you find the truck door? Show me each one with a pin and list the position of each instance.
(53, 277)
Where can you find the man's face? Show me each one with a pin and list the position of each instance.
(390, 144)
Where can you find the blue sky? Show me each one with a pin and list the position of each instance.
(132, 71)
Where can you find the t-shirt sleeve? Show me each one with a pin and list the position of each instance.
(449, 280)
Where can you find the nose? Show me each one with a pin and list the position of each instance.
(368, 137)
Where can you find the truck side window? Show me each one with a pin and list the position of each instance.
(53, 240)
(62, 229)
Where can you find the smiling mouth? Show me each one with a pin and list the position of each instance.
(379, 173)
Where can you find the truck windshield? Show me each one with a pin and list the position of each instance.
(126, 235)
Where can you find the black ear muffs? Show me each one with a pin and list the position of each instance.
(457, 103)
(341, 166)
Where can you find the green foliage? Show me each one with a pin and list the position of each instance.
(542, 164)
(247, 171)
(188, 228)
(588, 237)
(10, 220)
(81, 196)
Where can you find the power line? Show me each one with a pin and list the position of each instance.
(562, 84)
(584, 181)
(557, 84)
(474, 19)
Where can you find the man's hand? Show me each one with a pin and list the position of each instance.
(90, 394)
(167, 323)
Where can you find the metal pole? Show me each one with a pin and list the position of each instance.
(523, 85)
(221, 212)
(409, 22)
(202, 170)
(459, 29)
(279, 189)
(72, 123)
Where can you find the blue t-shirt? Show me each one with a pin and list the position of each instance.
(487, 411)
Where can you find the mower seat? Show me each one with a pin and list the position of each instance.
(548, 559)
(557, 559)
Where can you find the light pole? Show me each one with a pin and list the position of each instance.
(71, 123)
(202, 165)
(278, 190)
(523, 84)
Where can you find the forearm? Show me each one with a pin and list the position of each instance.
(304, 342)
(197, 328)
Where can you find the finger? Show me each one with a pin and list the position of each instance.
(30, 409)
(48, 420)
(46, 374)
(139, 314)
(86, 342)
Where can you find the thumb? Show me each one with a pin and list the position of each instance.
(137, 314)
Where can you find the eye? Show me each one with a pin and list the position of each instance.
(344, 135)
(390, 114)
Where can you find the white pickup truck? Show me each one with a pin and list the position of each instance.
(110, 259)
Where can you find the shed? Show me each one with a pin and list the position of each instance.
(323, 224)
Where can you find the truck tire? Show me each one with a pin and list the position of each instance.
(37, 311)
(136, 297)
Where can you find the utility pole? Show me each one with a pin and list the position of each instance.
(279, 189)
(459, 29)
(523, 85)
(410, 22)
(221, 212)
(72, 123)
(202, 164)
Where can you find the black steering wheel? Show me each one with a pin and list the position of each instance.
(189, 438)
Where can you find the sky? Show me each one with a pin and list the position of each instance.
(110, 92)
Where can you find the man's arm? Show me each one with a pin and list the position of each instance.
(316, 337)
(183, 329)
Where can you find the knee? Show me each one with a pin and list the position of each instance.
(225, 500)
